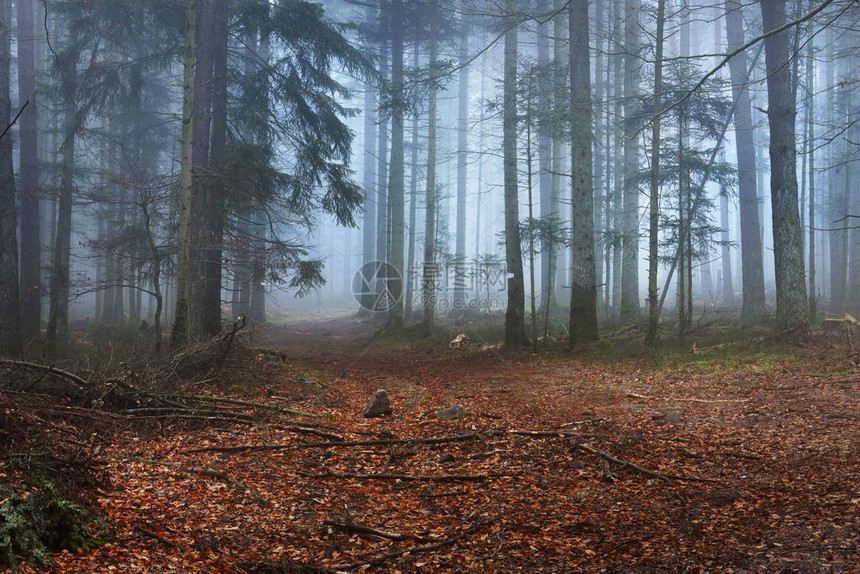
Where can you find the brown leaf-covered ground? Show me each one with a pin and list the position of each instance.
(777, 439)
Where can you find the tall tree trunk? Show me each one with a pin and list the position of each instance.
(462, 158)
(654, 208)
(515, 333)
(10, 305)
(791, 310)
(752, 266)
(396, 170)
(31, 290)
(368, 222)
(600, 151)
(429, 273)
(58, 317)
(413, 210)
(544, 104)
(181, 315)
(630, 307)
(214, 192)
(810, 146)
(200, 165)
(583, 294)
(561, 65)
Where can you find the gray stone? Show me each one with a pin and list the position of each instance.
(673, 417)
(451, 413)
(379, 405)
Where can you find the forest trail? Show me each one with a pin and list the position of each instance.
(559, 465)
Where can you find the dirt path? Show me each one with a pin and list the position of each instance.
(521, 486)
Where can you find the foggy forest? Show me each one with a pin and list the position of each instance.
(429, 285)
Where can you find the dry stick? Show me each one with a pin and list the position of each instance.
(245, 403)
(666, 477)
(646, 397)
(414, 549)
(185, 411)
(161, 539)
(378, 442)
(385, 476)
(49, 369)
(368, 531)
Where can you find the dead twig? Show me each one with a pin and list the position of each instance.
(362, 530)
(415, 549)
(689, 399)
(405, 477)
(377, 442)
(47, 368)
(668, 478)
(158, 537)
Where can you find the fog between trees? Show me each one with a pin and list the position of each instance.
(558, 165)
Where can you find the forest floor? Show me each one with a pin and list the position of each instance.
(561, 463)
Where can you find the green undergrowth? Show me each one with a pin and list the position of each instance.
(35, 519)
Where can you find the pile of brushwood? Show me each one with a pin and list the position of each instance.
(55, 420)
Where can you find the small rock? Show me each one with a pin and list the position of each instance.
(451, 413)
(379, 405)
(673, 417)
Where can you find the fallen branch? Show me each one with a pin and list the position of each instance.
(255, 404)
(415, 549)
(47, 368)
(376, 442)
(668, 478)
(406, 477)
(362, 530)
(183, 411)
(158, 537)
(670, 399)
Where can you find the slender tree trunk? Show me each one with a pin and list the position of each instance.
(654, 208)
(396, 168)
(515, 333)
(630, 307)
(810, 146)
(200, 164)
(413, 210)
(368, 223)
(10, 305)
(599, 154)
(561, 56)
(544, 101)
(181, 315)
(214, 192)
(752, 266)
(791, 310)
(429, 266)
(462, 159)
(583, 293)
(31, 290)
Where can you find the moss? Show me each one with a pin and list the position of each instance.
(36, 519)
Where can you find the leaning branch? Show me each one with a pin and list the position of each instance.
(46, 368)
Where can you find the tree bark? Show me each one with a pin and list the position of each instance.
(429, 266)
(583, 294)
(215, 191)
(630, 308)
(10, 310)
(515, 333)
(396, 170)
(181, 315)
(752, 266)
(654, 208)
(791, 310)
(31, 287)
